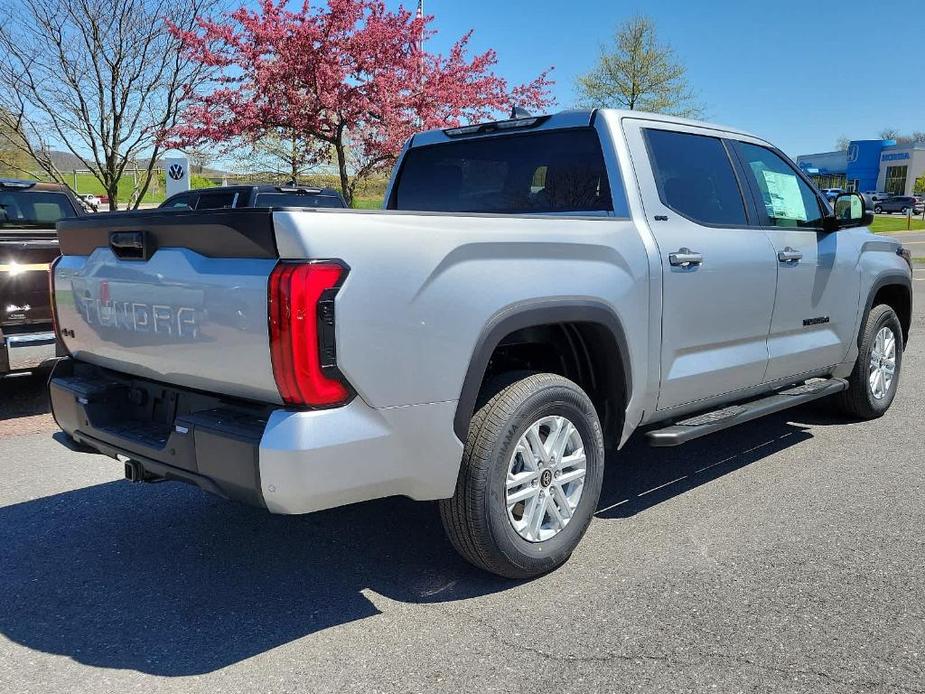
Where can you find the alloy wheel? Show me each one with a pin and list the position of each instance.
(545, 478)
(882, 363)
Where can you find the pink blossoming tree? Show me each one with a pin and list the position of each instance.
(346, 82)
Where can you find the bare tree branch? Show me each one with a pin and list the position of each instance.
(102, 79)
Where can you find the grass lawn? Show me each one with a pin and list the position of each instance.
(890, 224)
(86, 183)
(374, 203)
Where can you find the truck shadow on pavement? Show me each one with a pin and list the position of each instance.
(24, 395)
(166, 580)
(647, 476)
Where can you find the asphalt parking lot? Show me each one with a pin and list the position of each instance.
(914, 241)
(785, 555)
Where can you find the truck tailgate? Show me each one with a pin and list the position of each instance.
(171, 296)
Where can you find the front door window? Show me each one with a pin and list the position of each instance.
(784, 198)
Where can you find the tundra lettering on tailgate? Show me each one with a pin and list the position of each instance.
(133, 316)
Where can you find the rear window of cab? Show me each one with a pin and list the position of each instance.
(558, 171)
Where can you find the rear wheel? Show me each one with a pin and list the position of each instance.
(873, 382)
(878, 209)
(530, 478)
(904, 210)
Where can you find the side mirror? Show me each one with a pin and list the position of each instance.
(851, 210)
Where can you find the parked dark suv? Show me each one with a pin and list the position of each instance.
(254, 196)
(899, 203)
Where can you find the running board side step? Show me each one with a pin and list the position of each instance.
(710, 422)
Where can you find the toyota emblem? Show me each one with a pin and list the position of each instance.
(175, 171)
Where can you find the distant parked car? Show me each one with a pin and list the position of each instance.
(899, 203)
(254, 196)
(831, 193)
(877, 195)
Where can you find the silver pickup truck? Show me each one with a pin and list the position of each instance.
(536, 291)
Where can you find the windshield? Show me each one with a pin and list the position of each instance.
(35, 209)
(533, 173)
(297, 200)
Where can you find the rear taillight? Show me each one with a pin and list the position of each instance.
(301, 311)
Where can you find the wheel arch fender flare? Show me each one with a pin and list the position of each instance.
(530, 314)
(892, 278)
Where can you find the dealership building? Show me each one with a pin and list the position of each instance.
(868, 166)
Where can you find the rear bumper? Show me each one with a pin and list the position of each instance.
(25, 351)
(172, 433)
(285, 460)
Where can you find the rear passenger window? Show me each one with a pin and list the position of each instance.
(695, 177)
(784, 198)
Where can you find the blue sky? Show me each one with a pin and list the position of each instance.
(800, 74)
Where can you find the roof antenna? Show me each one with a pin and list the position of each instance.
(518, 112)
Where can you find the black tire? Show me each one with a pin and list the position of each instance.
(904, 211)
(878, 209)
(859, 401)
(476, 517)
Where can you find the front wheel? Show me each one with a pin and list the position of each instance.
(878, 209)
(873, 382)
(530, 478)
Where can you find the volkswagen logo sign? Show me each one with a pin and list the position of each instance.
(175, 171)
(852, 153)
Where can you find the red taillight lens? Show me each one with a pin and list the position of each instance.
(302, 332)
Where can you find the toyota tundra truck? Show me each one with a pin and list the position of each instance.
(536, 291)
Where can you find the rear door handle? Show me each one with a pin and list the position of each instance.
(789, 255)
(685, 257)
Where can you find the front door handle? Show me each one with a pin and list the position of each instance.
(789, 255)
(685, 257)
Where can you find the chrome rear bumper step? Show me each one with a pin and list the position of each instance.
(709, 422)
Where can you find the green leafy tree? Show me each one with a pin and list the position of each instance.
(639, 73)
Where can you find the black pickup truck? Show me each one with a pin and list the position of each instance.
(28, 245)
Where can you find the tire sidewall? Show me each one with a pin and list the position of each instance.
(575, 406)
(890, 320)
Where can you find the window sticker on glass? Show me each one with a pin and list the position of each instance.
(786, 198)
